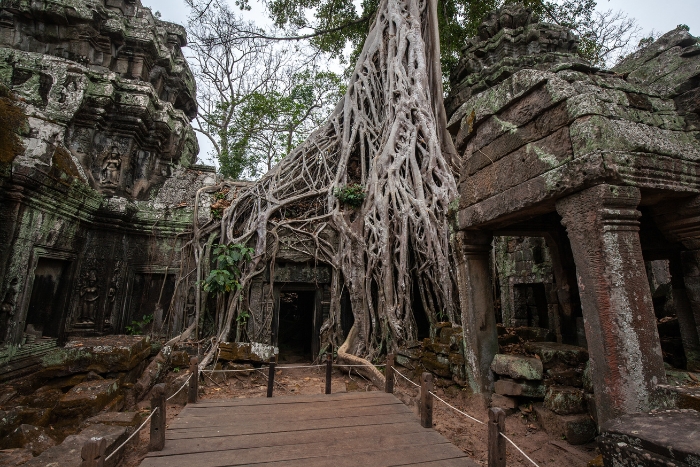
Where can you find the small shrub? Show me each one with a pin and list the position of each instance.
(229, 258)
(352, 195)
(138, 327)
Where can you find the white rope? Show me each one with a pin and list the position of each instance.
(181, 387)
(399, 373)
(280, 367)
(132, 435)
(229, 371)
(356, 366)
(455, 408)
(520, 450)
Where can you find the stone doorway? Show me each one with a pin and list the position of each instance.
(46, 305)
(297, 324)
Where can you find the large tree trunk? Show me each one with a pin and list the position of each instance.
(388, 134)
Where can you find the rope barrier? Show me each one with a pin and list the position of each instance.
(399, 373)
(357, 366)
(230, 371)
(181, 387)
(455, 408)
(132, 435)
(520, 450)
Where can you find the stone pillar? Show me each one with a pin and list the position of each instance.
(623, 341)
(688, 307)
(476, 307)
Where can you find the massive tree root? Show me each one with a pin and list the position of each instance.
(388, 134)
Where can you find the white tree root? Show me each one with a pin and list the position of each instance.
(392, 254)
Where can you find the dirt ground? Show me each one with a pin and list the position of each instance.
(466, 434)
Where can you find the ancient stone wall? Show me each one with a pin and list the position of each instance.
(97, 206)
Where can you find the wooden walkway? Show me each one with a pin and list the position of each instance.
(357, 429)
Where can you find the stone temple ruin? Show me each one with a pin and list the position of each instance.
(577, 223)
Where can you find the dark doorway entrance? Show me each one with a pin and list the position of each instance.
(151, 297)
(46, 305)
(297, 336)
(530, 305)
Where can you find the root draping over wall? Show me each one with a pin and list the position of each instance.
(387, 135)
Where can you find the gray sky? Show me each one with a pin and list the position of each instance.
(658, 15)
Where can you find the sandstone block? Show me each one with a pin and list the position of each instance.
(565, 400)
(28, 437)
(577, 429)
(517, 367)
(106, 354)
(116, 419)
(86, 399)
(566, 377)
(67, 454)
(504, 402)
(668, 438)
(553, 353)
(508, 387)
(44, 397)
(180, 359)
(246, 352)
(436, 364)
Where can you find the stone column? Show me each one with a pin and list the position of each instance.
(476, 303)
(688, 307)
(623, 341)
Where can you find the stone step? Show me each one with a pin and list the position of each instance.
(67, 454)
(668, 438)
(576, 429)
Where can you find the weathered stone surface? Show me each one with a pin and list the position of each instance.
(116, 419)
(16, 416)
(67, 454)
(517, 367)
(106, 354)
(86, 399)
(246, 352)
(507, 387)
(565, 400)
(180, 359)
(44, 397)
(576, 429)
(552, 354)
(668, 438)
(14, 457)
(28, 437)
(436, 363)
(565, 377)
(504, 402)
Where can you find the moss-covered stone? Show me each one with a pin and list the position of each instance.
(517, 367)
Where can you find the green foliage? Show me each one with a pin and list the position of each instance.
(457, 21)
(267, 125)
(350, 195)
(684, 27)
(229, 260)
(138, 327)
(242, 318)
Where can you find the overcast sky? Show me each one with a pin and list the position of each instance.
(657, 15)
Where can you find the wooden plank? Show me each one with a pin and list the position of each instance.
(454, 462)
(273, 408)
(310, 398)
(333, 438)
(311, 413)
(264, 426)
(432, 447)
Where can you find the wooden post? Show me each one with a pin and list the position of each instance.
(389, 374)
(157, 442)
(194, 381)
(426, 400)
(497, 443)
(93, 453)
(271, 377)
(329, 371)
